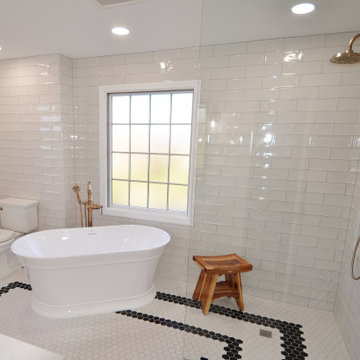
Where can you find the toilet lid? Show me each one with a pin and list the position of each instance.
(5, 235)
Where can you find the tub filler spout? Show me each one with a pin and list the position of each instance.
(88, 205)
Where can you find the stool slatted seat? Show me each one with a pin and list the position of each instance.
(207, 289)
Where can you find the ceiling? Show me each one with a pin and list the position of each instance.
(82, 28)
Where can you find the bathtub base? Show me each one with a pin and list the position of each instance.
(101, 307)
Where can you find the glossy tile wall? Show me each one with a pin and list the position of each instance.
(68, 140)
(347, 304)
(278, 144)
(34, 134)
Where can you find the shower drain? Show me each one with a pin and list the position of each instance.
(266, 333)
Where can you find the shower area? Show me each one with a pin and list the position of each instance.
(277, 177)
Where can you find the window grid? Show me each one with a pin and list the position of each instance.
(129, 154)
(168, 175)
(149, 156)
(129, 181)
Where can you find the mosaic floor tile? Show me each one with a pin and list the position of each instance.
(170, 327)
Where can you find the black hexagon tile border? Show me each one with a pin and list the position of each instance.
(293, 342)
(292, 335)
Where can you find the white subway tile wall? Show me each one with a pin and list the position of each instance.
(278, 153)
(347, 302)
(278, 131)
(36, 135)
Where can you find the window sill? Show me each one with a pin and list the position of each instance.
(149, 215)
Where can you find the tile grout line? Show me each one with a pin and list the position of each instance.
(291, 333)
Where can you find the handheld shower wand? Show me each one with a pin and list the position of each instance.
(76, 189)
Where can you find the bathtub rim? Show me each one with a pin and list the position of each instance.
(21, 254)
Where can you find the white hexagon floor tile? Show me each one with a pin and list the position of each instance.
(173, 327)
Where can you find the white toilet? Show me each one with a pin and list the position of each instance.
(17, 217)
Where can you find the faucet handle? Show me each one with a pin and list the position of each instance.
(97, 206)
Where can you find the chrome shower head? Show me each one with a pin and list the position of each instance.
(349, 56)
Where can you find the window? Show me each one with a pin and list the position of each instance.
(147, 147)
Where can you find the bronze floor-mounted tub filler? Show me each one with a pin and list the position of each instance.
(86, 217)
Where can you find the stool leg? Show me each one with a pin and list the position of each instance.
(239, 295)
(208, 292)
(229, 278)
(199, 286)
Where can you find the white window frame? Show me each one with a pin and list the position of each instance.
(104, 153)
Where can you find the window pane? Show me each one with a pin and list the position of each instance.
(181, 111)
(120, 138)
(159, 168)
(120, 109)
(120, 192)
(178, 197)
(157, 196)
(180, 139)
(160, 108)
(138, 194)
(140, 109)
(139, 167)
(179, 169)
(150, 149)
(159, 138)
(120, 166)
(140, 138)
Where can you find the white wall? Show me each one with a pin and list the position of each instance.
(35, 126)
(278, 154)
(347, 305)
(278, 137)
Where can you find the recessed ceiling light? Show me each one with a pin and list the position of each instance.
(120, 31)
(303, 8)
(0, 48)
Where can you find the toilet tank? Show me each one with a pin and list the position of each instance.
(19, 214)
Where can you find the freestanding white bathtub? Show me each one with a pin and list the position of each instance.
(82, 271)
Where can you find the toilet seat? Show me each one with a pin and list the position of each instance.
(6, 235)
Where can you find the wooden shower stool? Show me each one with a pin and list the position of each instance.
(207, 289)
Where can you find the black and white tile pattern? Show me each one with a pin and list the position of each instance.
(171, 327)
(291, 333)
(292, 340)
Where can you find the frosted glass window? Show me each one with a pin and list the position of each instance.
(160, 108)
(140, 138)
(120, 166)
(120, 192)
(158, 196)
(159, 168)
(181, 111)
(150, 149)
(139, 167)
(178, 197)
(180, 139)
(138, 194)
(179, 169)
(140, 109)
(160, 139)
(120, 109)
(120, 138)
